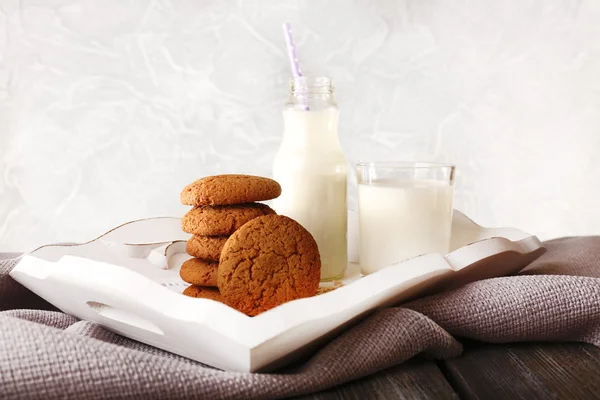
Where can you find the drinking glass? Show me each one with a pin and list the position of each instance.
(404, 210)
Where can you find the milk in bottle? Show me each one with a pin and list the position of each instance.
(311, 169)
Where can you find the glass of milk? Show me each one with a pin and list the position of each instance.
(404, 210)
(310, 166)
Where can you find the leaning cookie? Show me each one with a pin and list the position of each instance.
(267, 262)
(199, 272)
(221, 220)
(229, 189)
(203, 293)
(206, 247)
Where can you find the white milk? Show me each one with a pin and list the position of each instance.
(400, 220)
(311, 169)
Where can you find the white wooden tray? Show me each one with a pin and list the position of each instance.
(128, 281)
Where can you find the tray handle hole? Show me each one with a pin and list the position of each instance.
(124, 317)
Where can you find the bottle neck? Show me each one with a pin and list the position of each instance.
(311, 93)
(315, 129)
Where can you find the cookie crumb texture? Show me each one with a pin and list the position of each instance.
(229, 189)
(200, 292)
(206, 247)
(267, 262)
(221, 220)
(199, 272)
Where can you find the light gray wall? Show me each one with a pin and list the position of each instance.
(109, 107)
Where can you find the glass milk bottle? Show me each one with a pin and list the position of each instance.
(311, 169)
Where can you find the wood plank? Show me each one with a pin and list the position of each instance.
(414, 379)
(568, 369)
(525, 371)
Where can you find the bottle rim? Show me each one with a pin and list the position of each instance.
(311, 85)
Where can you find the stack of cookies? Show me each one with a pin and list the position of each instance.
(221, 205)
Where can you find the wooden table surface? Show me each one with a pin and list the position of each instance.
(486, 371)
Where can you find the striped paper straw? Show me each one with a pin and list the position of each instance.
(291, 48)
(292, 55)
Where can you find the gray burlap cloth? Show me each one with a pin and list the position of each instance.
(47, 354)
